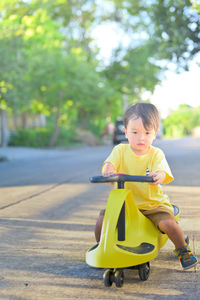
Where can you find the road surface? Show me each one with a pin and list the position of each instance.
(48, 210)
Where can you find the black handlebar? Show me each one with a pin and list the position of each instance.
(121, 178)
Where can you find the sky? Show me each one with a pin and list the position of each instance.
(178, 89)
(174, 90)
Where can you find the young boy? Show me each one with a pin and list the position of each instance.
(139, 157)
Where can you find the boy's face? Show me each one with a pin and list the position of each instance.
(139, 138)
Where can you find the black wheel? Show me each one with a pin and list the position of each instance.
(144, 271)
(108, 277)
(119, 278)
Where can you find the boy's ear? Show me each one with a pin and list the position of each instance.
(125, 130)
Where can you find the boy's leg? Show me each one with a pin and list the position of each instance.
(175, 233)
(98, 226)
(186, 245)
(167, 224)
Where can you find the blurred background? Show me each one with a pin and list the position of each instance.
(68, 69)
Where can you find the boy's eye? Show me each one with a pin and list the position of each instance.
(147, 132)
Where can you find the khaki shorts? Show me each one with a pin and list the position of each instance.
(158, 214)
(155, 215)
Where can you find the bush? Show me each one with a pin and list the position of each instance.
(40, 137)
(182, 121)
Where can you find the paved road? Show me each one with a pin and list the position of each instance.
(47, 215)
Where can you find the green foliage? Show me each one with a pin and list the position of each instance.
(49, 64)
(133, 74)
(181, 122)
(39, 137)
(44, 72)
(175, 30)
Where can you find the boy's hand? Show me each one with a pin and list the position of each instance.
(158, 176)
(108, 170)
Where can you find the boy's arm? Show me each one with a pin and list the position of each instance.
(107, 170)
(111, 164)
(160, 169)
(158, 176)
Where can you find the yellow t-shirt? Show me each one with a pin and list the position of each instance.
(126, 161)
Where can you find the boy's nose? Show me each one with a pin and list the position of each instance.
(141, 136)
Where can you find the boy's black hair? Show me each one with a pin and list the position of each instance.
(146, 111)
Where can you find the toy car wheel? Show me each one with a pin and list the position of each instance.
(144, 271)
(108, 277)
(119, 278)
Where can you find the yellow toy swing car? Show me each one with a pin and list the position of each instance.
(128, 238)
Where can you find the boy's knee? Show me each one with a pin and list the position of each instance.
(167, 224)
(100, 221)
(98, 228)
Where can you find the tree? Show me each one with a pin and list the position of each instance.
(181, 121)
(134, 74)
(49, 62)
(70, 90)
(175, 32)
(40, 75)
